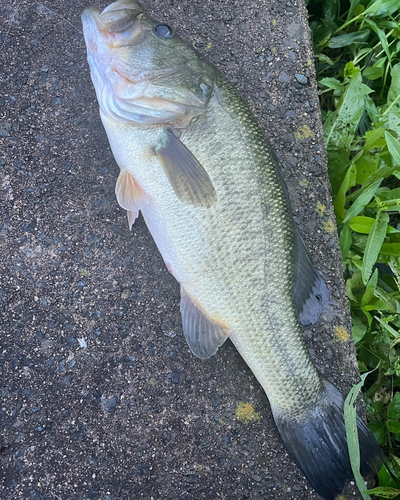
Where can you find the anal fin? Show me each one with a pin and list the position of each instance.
(203, 335)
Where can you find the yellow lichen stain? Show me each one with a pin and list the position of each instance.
(304, 132)
(273, 22)
(198, 467)
(273, 50)
(341, 497)
(309, 62)
(304, 183)
(245, 413)
(84, 272)
(341, 334)
(153, 382)
(208, 46)
(328, 226)
(320, 209)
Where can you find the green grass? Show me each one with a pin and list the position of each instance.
(357, 55)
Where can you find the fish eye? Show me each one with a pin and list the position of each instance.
(164, 31)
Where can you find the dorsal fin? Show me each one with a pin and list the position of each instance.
(310, 293)
(203, 335)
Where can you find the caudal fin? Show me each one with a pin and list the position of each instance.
(319, 446)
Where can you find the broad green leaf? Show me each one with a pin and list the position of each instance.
(345, 240)
(348, 38)
(340, 126)
(350, 420)
(377, 305)
(362, 201)
(354, 284)
(390, 302)
(382, 173)
(330, 10)
(373, 73)
(374, 243)
(370, 288)
(361, 224)
(385, 478)
(391, 208)
(358, 329)
(394, 264)
(391, 195)
(378, 430)
(366, 165)
(361, 367)
(387, 7)
(331, 83)
(324, 59)
(384, 492)
(390, 249)
(340, 199)
(338, 163)
(393, 410)
(393, 146)
(394, 123)
(353, 5)
(374, 138)
(373, 7)
(393, 426)
(393, 100)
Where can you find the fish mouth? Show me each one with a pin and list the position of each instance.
(117, 25)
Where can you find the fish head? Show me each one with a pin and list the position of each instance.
(143, 73)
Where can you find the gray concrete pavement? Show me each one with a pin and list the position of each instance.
(100, 395)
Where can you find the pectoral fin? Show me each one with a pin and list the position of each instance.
(203, 335)
(186, 175)
(129, 195)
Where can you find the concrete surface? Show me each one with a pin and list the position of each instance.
(100, 396)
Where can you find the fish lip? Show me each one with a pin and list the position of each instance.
(123, 5)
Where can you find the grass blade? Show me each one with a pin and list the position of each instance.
(374, 244)
(362, 201)
(393, 147)
(350, 421)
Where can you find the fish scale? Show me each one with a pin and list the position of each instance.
(195, 162)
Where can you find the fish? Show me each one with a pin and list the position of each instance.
(196, 164)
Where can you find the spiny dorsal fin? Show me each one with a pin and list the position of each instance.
(310, 293)
(186, 175)
(203, 335)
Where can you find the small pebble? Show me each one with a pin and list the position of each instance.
(283, 77)
(301, 79)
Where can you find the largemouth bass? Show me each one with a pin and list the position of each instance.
(195, 162)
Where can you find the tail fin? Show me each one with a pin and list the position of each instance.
(319, 445)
